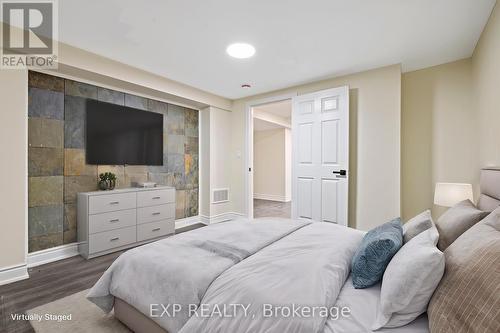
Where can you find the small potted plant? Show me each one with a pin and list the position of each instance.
(107, 181)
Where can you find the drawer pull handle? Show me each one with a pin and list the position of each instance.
(114, 202)
(114, 239)
(114, 220)
(156, 213)
(156, 229)
(155, 198)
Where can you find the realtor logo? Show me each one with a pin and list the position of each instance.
(29, 31)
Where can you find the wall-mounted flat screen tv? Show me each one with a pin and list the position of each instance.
(120, 135)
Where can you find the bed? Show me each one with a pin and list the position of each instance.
(169, 285)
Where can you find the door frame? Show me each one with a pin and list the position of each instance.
(248, 147)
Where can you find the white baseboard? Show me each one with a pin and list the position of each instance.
(13, 273)
(53, 254)
(220, 217)
(271, 197)
(181, 223)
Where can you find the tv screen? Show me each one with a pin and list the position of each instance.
(122, 135)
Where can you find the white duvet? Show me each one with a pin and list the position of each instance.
(242, 276)
(303, 272)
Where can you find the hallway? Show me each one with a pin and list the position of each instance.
(267, 208)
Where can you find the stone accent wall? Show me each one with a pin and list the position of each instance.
(56, 156)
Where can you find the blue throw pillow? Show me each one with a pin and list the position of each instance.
(375, 252)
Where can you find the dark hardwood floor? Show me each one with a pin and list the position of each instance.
(50, 282)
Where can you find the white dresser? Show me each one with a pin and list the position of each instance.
(110, 221)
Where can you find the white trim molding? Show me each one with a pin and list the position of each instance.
(271, 197)
(224, 217)
(70, 250)
(53, 254)
(248, 148)
(185, 222)
(13, 273)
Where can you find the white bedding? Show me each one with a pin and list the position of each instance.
(363, 305)
(277, 262)
(307, 268)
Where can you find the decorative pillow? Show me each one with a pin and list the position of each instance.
(416, 225)
(376, 250)
(467, 298)
(410, 280)
(456, 220)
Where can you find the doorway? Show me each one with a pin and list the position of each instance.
(249, 151)
(272, 159)
(320, 154)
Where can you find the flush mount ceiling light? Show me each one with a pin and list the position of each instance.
(240, 50)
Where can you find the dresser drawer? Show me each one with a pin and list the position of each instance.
(155, 197)
(111, 202)
(155, 229)
(112, 220)
(155, 213)
(111, 239)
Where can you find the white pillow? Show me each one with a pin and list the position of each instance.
(410, 280)
(416, 225)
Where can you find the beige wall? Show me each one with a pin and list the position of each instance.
(204, 164)
(450, 122)
(13, 169)
(439, 133)
(220, 157)
(215, 140)
(270, 164)
(486, 79)
(375, 109)
(288, 164)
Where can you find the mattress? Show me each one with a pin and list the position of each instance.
(363, 308)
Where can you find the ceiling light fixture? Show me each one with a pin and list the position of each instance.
(240, 50)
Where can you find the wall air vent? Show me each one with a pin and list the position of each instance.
(220, 195)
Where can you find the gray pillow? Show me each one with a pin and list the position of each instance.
(456, 220)
(416, 225)
(410, 280)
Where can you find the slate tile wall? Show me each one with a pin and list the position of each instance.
(56, 153)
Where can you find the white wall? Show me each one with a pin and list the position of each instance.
(14, 167)
(270, 179)
(375, 136)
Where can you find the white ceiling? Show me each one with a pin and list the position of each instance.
(297, 41)
(262, 125)
(281, 109)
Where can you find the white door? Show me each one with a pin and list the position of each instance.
(320, 155)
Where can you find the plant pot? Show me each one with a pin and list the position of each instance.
(107, 185)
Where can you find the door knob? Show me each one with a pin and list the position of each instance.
(341, 172)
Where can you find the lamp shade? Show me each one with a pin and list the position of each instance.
(449, 194)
